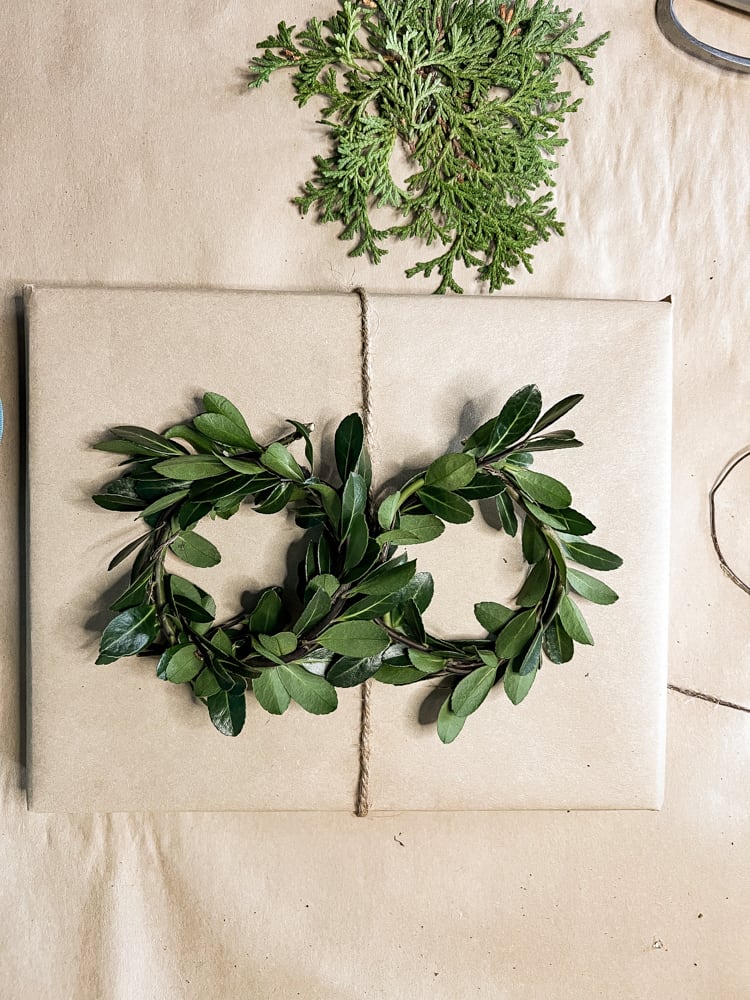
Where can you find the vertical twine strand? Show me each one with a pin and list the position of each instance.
(362, 805)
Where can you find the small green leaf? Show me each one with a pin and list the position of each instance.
(428, 663)
(573, 622)
(483, 487)
(515, 635)
(446, 505)
(451, 472)
(507, 513)
(270, 692)
(127, 634)
(187, 433)
(348, 444)
(118, 502)
(387, 511)
(592, 556)
(515, 420)
(163, 503)
(398, 675)
(128, 550)
(353, 503)
(558, 645)
(280, 644)
(214, 403)
(387, 579)
(219, 428)
(532, 542)
(313, 693)
(544, 489)
(265, 616)
(135, 594)
(471, 690)
(449, 725)
(329, 498)
(420, 589)
(183, 664)
(413, 529)
(195, 550)
(190, 468)
(147, 441)
(350, 672)
(591, 588)
(280, 460)
(553, 414)
(369, 607)
(314, 611)
(357, 543)
(205, 684)
(535, 585)
(227, 712)
(492, 616)
(516, 685)
(242, 466)
(359, 639)
(532, 657)
(323, 581)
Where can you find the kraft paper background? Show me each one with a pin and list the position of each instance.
(130, 153)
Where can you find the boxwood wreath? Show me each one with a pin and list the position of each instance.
(360, 598)
(469, 91)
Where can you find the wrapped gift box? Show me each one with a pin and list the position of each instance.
(107, 738)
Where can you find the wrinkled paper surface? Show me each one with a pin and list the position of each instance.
(132, 154)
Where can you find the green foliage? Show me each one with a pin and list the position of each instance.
(357, 612)
(469, 91)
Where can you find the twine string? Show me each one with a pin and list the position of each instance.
(362, 805)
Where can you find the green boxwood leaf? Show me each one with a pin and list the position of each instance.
(387, 511)
(135, 594)
(359, 639)
(449, 725)
(451, 472)
(532, 542)
(558, 645)
(391, 673)
(195, 550)
(350, 436)
(190, 468)
(280, 460)
(420, 589)
(369, 607)
(242, 466)
(446, 505)
(350, 672)
(592, 556)
(514, 636)
(313, 693)
(471, 690)
(516, 685)
(506, 513)
(387, 579)
(147, 441)
(532, 657)
(553, 414)
(280, 644)
(353, 503)
(482, 487)
(118, 502)
(428, 663)
(492, 616)
(187, 433)
(217, 427)
(535, 585)
(131, 631)
(270, 693)
(163, 503)
(413, 529)
(215, 403)
(182, 663)
(313, 612)
(227, 712)
(515, 420)
(591, 588)
(573, 622)
(205, 684)
(544, 489)
(129, 549)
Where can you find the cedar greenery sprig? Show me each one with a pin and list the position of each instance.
(470, 90)
(360, 599)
